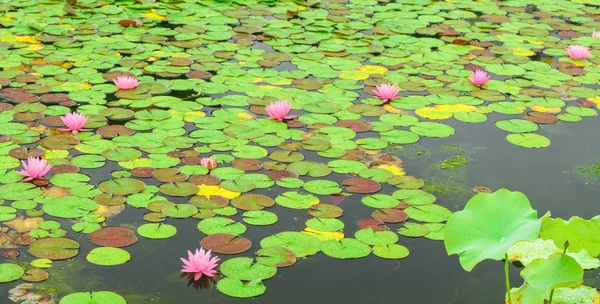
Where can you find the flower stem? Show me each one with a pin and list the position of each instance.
(551, 295)
(507, 280)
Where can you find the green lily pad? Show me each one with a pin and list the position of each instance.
(392, 251)
(245, 270)
(108, 256)
(10, 272)
(301, 244)
(96, 297)
(345, 249)
(235, 288)
(157, 231)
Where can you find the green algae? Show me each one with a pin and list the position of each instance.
(453, 162)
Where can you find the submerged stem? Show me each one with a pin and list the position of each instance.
(506, 277)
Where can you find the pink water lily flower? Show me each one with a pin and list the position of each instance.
(386, 92)
(279, 110)
(578, 52)
(74, 122)
(126, 82)
(479, 78)
(596, 34)
(209, 162)
(34, 168)
(200, 263)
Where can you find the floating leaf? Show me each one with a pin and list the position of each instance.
(225, 243)
(244, 269)
(54, 248)
(113, 237)
(108, 256)
(94, 297)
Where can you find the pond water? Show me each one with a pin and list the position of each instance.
(206, 73)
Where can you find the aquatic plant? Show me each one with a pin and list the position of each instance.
(386, 92)
(34, 168)
(596, 34)
(74, 122)
(479, 78)
(492, 225)
(279, 110)
(578, 52)
(200, 263)
(209, 162)
(126, 82)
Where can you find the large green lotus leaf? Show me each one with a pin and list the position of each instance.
(96, 297)
(543, 275)
(108, 256)
(527, 251)
(244, 269)
(581, 234)
(489, 225)
(10, 272)
(580, 295)
(235, 288)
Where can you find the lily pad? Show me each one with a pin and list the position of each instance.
(108, 256)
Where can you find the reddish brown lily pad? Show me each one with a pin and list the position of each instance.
(277, 175)
(142, 172)
(334, 199)
(24, 153)
(169, 175)
(541, 118)
(376, 225)
(252, 202)
(54, 248)
(114, 131)
(361, 185)
(247, 164)
(10, 254)
(586, 104)
(64, 168)
(113, 237)
(131, 22)
(209, 180)
(225, 243)
(390, 215)
(355, 125)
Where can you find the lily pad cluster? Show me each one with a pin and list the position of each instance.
(207, 69)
